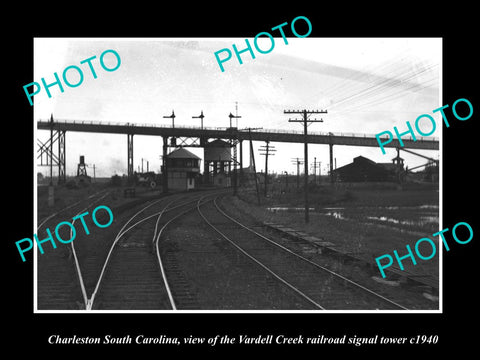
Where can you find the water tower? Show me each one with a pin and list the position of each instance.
(217, 163)
(82, 177)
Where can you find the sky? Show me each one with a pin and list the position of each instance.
(367, 85)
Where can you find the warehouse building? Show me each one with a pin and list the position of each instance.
(363, 170)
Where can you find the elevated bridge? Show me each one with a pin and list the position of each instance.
(199, 136)
(289, 136)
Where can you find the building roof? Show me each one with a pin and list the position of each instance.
(218, 143)
(363, 169)
(356, 162)
(364, 159)
(182, 153)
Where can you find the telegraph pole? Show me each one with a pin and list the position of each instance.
(231, 116)
(267, 150)
(306, 121)
(252, 161)
(315, 163)
(297, 161)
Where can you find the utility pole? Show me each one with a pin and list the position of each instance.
(306, 121)
(236, 112)
(252, 161)
(232, 142)
(267, 150)
(297, 161)
(315, 163)
(201, 116)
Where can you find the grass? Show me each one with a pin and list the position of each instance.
(65, 196)
(360, 230)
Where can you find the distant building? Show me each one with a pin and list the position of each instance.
(363, 170)
(183, 168)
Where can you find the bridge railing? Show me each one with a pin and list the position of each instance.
(93, 122)
(343, 134)
(273, 131)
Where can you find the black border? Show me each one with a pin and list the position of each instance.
(26, 330)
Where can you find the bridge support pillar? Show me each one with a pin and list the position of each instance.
(61, 157)
(241, 162)
(206, 170)
(331, 162)
(130, 156)
(164, 165)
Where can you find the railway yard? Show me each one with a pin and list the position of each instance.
(208, 250)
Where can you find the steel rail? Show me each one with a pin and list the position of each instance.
(43, 221)
(307, 260)
(157, 241)
(105, 264)
(278, 277)
(123, 231)
(77, 264)
(152, 215)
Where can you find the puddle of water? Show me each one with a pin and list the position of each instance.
(383, 218)
(285, 208)
(335, 214)
(421, 221)
(430, 207)
(338, 213)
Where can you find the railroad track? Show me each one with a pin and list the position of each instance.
(57, 289)
(66, 275)
(132, 276)
(205, 273)
(152, 265)
(322, 288)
